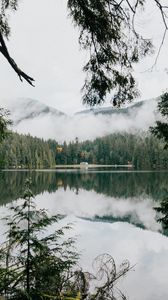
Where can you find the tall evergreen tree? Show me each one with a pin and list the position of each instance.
(4, 123)
(34, 264)
(161, 128)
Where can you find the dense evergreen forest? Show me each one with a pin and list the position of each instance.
(144, 151)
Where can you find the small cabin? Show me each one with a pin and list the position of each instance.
(84, 165)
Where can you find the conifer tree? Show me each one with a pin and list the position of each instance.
(160, 130)
(4, 123)
(34, 264)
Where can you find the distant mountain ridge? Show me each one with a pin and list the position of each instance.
(28, 109)
(112, 110)
(41, 120)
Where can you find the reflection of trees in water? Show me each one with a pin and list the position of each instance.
(154, 184)
(128, 217)
(12, 184)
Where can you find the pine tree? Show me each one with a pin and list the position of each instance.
(163, 214)
(34, 265)
(4, 123)
(160, 130)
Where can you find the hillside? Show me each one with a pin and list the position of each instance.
(128, 110)
(33, 117)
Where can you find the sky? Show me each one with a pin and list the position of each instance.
(44, 43)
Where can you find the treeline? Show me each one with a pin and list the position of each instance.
(25, 151)
(143, 151)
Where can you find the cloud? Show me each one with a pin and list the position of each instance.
(90, 204)
(86, 126)
(147, 251)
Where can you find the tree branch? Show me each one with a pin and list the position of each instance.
(5, 53)
(130, 6)
(161, 7)
(163, 15)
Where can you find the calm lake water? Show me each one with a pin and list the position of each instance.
(112, 212)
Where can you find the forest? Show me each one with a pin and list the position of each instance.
(36, 263)
(142, 150)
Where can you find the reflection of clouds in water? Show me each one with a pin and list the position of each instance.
(90, 204)
(147, 250)
(4, 212)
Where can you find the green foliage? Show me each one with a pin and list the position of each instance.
(5, 6)
(36, 264)
(163, 209)
(107, 31)
(33, 263)
(161, 128)
(162, 217)
(163, 105)
(143, 151)
(24, 151)
(113, 184)
(4, 122)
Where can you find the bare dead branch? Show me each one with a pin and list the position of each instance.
(163, 15)
(160, 47)
(5, 53)
(130, 6)
(161, 8)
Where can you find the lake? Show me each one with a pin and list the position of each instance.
(112, 212)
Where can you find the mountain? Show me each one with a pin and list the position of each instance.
(29, 109)
(38, 119)
(129, 110)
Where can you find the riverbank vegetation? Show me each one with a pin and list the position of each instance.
(38, 261)
(142, 150)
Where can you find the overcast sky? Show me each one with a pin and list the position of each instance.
(45, 45)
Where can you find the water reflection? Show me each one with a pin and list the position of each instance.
(147, 250)
(114, 184)
(97, 196)
(106, 197)
(97, 207)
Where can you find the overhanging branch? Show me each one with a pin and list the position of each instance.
(5, 53)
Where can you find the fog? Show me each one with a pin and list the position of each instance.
(84, 126)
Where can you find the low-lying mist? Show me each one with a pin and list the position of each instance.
(87, 125)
